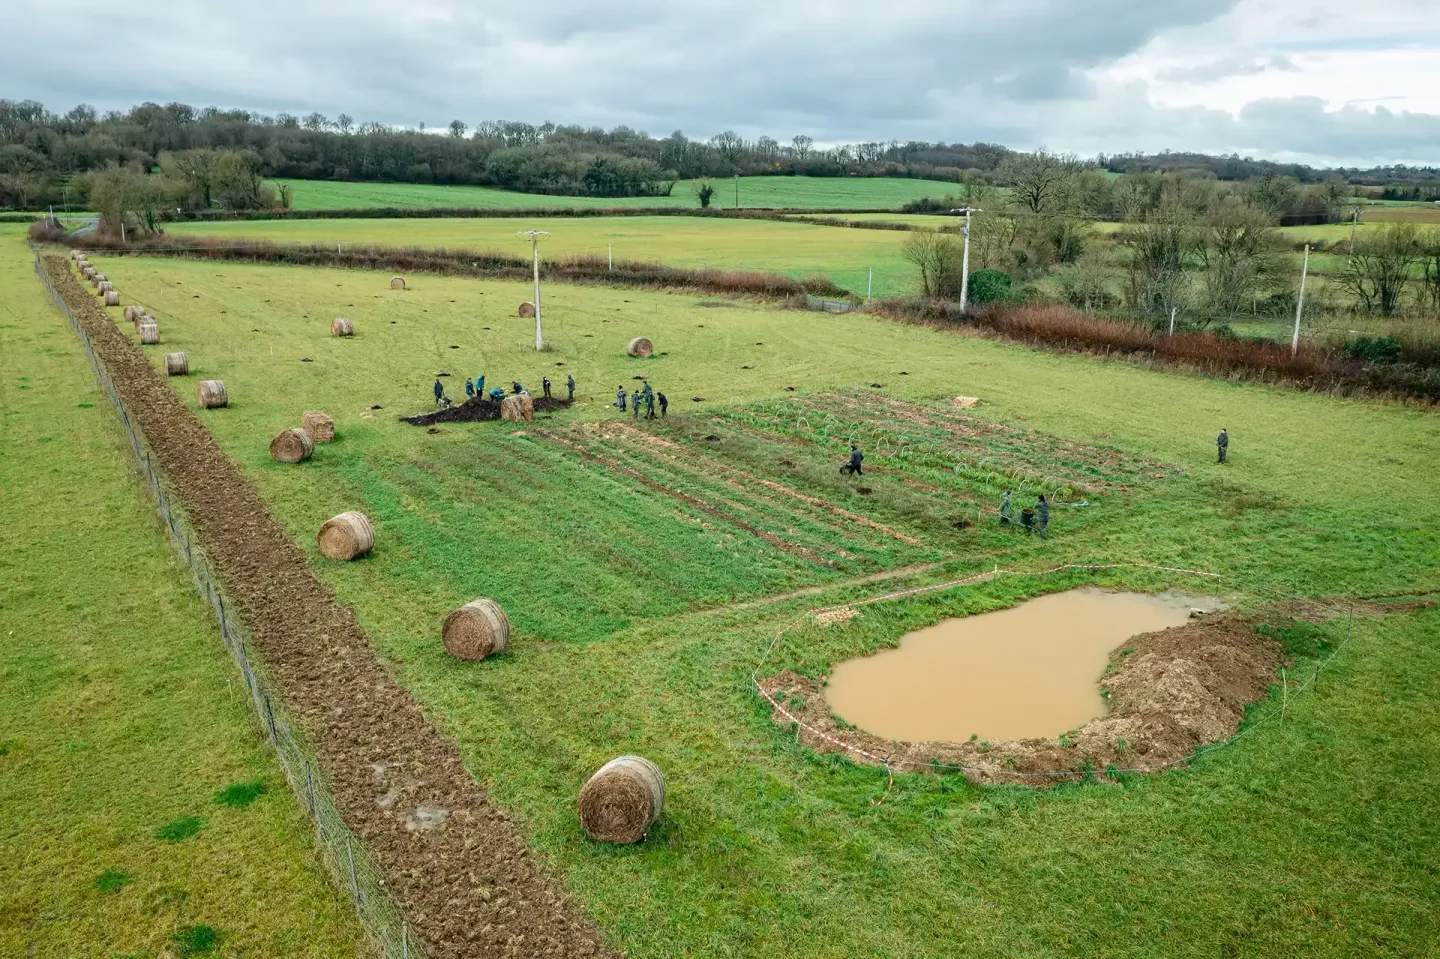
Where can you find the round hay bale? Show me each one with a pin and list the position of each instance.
(319, 425)
(340, 326)
(347, 536)
(622, 800)
(144, 318)
(527, 309)
(291, 446)
(103, 287)
(965, 402)
(211, 394)
(397, 282)
(112, 298)
(101, 278)
(176, 364)
(478, 629)
(76, 255)
(149, 334)
(640, 347)
(518, 407)
(134, 312)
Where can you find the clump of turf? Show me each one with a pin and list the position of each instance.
(110, 880)
(194, 940)
(180, 829)
(238, 795)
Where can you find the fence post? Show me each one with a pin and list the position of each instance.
(310, 787)
(354, 880)
(405, 940)
(270, 719)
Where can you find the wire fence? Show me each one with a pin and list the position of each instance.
(350, 864)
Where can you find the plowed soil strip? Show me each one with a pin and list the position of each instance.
(676, 450)
(469, 886)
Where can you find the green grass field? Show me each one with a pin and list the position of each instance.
(120, 719)
(795, 249)
(756, 192)
(1313, 837)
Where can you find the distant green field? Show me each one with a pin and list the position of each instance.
(759, 192)
(795, 249)
(120, 722)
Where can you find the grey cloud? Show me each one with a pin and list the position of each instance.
(1227, 67)
(841, 71)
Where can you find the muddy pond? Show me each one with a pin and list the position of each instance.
(1030, 671)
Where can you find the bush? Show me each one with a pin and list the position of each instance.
(989, 286)
(1374, 349)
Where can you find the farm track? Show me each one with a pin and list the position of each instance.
(469, 886)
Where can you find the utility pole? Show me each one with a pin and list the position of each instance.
(1300, 302)
(610, 252)
(870, 284)
(1173, 311)
(737, 191)
(535, 236)
(965, 261)
(1354, 222)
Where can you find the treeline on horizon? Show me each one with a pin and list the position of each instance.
(43, 153)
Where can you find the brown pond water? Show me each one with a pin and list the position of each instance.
(1030, 671)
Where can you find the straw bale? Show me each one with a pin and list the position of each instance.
(478, 629)
(319, 425)
(347, 536)
(641, 347)
(291, 446)
(211, 393)
(622, 800)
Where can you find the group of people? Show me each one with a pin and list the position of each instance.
(646, 396)
(1035, 520)
(476, 387)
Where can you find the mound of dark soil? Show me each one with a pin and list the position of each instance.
(479, 410)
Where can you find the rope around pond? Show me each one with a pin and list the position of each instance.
(844, 611)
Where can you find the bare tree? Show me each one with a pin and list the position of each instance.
(1240, 254)
(938, 256)
(344, 122)
(1378, 274)
(729, 145)
(1429, 298)
(457, 129)
(1160, 249)
(801, 145)
(317, 122)
(1041, 181)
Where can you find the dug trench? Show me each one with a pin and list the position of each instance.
(1170, 692)
(467, 883)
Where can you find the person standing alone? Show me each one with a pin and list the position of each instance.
(545, 385)
(1222, 442)
(1042, 515)
(570, 387)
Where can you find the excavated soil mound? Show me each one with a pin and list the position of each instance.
(1170, 692)
(468, 884)
(479, 410)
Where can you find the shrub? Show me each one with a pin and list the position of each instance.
(989, 286)
(1375, 349)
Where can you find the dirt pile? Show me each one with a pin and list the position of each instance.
(1170, 692)
(480, 410)
(467, 883)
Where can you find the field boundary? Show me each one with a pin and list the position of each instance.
(347, 859)
(417, 880)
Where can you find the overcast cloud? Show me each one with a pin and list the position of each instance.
(1318, 81)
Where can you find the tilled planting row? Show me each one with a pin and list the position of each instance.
(465, 880)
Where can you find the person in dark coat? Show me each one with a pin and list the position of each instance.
(496, 394)
(1223, 443)
(469, 387)
(856, 459)
(649, 403)
(664, 404)
(439, 392)
(545, 385)
(620, 397)
(1006, 517)
(1042, 515)
(516, 388)
(570, 387)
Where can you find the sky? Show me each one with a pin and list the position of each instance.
(1316, 81)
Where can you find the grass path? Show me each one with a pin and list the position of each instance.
(120, 720)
